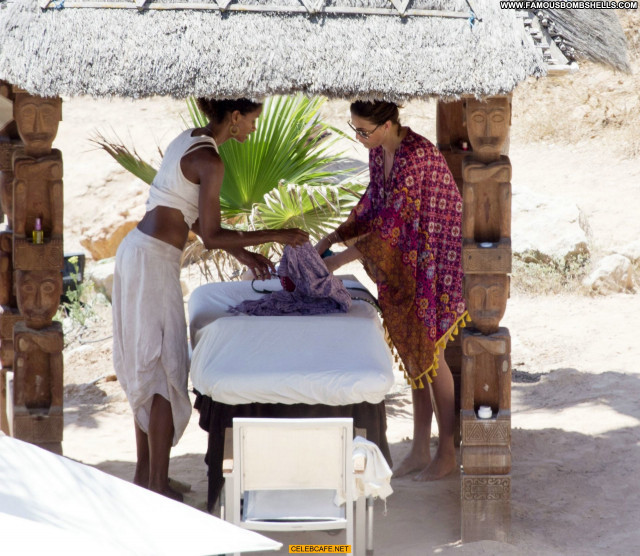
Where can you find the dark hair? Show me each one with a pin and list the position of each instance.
(377, 111)
(216, 110)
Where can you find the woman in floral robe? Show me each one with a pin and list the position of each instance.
(407, 230)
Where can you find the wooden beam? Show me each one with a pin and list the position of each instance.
(221, 6)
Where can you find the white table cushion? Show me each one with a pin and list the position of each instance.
(333, 359)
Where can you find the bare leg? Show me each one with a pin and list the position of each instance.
(419, 456)
(160, 440)
(444, 462)
(141, 478)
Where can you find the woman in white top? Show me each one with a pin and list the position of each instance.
(150, 338)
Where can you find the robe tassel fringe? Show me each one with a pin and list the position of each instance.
(417, 383)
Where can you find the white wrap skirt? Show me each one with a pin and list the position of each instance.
(150, 352)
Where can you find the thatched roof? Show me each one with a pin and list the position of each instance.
(203, 51)
(588, 34)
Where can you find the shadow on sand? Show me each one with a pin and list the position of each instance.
(562, 480)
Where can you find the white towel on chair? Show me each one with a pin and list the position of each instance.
(376, 478)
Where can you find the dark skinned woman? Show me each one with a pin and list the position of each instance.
(150, 336)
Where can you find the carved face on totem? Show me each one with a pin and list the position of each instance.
(488, 124)
(37, 120)
(486, 296)
(38, 293)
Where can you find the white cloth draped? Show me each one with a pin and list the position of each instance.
(150, 350)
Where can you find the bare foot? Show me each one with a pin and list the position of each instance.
(413, 462)
(439, 468)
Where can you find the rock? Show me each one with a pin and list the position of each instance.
(101, 274)
(546, 229)
(103, 243)
(117, 205)
(614, 273)
(631, 251)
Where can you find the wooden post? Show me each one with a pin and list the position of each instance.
(9, 142)
(486, 347)
(451, 137)
(36, 257)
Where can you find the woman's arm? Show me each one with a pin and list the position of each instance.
(208, 167)
(327, 241)
(354, 226)
(334, 262)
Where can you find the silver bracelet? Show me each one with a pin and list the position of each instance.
(333, 237)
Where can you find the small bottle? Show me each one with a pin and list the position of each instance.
(38, 234)
(465, 146)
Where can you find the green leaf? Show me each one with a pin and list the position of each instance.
(130, 160)
(291, 143)
(317, 209)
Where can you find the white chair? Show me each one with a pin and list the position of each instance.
(287, 474)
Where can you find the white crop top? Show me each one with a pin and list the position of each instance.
(170, 188)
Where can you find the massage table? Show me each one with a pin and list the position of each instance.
(330, 365)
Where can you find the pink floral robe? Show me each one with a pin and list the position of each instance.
(409, 233)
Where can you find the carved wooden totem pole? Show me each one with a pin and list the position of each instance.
(9, 143)
(473, 137)
(486, 347)
(31, 262)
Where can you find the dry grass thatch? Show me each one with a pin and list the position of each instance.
(104, 52)
(595, 35)
(131, 53)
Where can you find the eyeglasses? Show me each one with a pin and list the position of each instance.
(363, 132)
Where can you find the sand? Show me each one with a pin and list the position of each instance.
(576, 418)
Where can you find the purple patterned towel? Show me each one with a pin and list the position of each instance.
(317, 290)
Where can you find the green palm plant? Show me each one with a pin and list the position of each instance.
(316, 209)
(281, 176)
(290, 145)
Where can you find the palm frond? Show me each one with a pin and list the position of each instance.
(198, 119)
(291, 144)
(316, 209)
(129, 159)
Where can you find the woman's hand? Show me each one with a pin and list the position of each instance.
(291, 236)
(259, 265)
